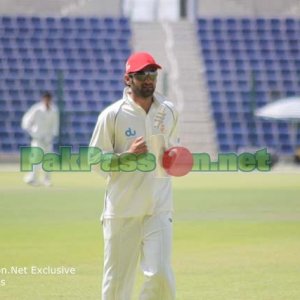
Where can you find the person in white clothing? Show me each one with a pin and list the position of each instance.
(41, 122)
(137, 214)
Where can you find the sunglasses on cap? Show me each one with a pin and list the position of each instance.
(142, 75)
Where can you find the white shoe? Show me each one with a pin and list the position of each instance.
(31, 181)
(47, 182)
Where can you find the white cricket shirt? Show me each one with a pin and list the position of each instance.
(41, 123)
(137, 193)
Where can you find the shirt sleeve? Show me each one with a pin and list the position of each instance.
(102, 139)
(174, 139)
(28, 120)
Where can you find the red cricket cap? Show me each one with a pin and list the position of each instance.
(140, 60)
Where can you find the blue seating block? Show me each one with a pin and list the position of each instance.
(247, 60)
(90, 53)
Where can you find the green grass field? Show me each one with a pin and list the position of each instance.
(237, 236)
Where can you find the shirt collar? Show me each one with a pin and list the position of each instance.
(44, 108)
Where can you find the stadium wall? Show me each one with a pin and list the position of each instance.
(61, 7)
(207, 8)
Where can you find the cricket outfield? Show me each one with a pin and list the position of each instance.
(236, 237)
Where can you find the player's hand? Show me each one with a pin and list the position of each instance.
(138, 146)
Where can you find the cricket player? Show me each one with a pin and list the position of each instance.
(41, 122)
(137, 214)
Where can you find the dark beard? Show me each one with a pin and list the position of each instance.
(143, 92)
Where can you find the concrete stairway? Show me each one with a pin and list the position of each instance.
(60, 8)
(150, 37)
(197, 126)
(175, 46)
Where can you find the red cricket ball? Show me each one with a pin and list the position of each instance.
(177, 161)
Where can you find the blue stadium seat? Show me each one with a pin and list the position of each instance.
(275, 23)
(286, 148)
(36, 22)
(217, 23)
(246, 23)
(260, 23)
(51, 22)
(225, 147)
(231, 23)
(202, 23)
(290, 23)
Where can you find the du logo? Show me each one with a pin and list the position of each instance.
(130, 132)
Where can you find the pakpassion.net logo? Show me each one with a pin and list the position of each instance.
(176, 161)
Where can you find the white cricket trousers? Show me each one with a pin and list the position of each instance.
(47, 147)
(126, 240)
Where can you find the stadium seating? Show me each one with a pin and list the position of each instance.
(83, 56)
(250, 62)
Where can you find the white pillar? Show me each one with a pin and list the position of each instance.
(169, 10)
(152, 10)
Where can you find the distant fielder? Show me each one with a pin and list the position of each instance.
(137, 215)
(41, 122)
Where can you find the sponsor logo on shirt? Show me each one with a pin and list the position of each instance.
(162, 128)
(159, 119)
(130, 132)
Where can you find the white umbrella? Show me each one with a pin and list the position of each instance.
(287, 109)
